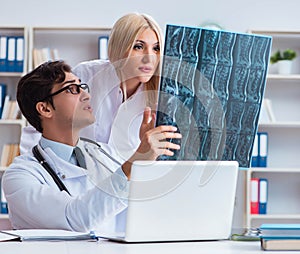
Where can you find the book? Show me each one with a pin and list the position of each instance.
(102, 47)
(43, 55)
(10, 110)
(254, 192)
(258, 195)
(11, 53)
(44, 235)
(14, 110)
(19, 60)
(280, 236)
(9, 152)
(36, 57)
(266, 113)
(279, 230)
(3, 54)
(263, 196)
(269, 108)
(260, 150)
(4, 155)
(255, 152)
(3, 89)
(3, 201)
(6, 106)
(263, 149)
(280, 244)
(55, 54)
(263, 115)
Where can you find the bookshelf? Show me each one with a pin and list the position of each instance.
(283, 196)
(10, 129)
(73, 44)
(283, 169)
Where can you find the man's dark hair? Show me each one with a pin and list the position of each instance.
(38, 84)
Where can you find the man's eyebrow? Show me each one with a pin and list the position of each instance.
(70, 81)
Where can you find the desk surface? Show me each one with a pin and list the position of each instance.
(107, 247)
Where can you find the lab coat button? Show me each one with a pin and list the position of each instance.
(63, 176)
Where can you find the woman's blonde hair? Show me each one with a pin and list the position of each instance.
(122, 38)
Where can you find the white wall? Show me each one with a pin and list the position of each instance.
(234, 15)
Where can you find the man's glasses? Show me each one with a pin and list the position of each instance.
(73, 89)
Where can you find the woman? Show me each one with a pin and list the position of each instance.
(122, 86)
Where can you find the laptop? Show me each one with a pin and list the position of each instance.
(180, 201)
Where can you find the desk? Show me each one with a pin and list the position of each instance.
(107, 247)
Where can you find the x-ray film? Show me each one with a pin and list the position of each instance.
(212, 85)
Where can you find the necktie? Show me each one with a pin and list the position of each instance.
(80, 158)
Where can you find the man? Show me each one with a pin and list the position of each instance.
(56, 104)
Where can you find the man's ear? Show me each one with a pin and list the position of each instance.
(45, 109)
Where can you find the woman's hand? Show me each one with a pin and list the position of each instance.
(148, 122)
(153, 142)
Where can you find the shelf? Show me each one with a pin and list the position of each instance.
(21, 122)
(275, 170)
(275, 216)
(275, 33)
(84, 41)
(284, 77)
(4, 216)
(283, 138)
(11, 74)
(70, 29)
(291, 124)
(282, 198)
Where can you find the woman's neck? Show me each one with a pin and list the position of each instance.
(129, 88)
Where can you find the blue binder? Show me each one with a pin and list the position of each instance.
(3, 53)
(2, 97)
(102, 46)
(263, 149)
(19, 54)
(263, 195)
(11, 53)
(4, 206)
(255, 152)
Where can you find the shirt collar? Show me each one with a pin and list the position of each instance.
(61, 150)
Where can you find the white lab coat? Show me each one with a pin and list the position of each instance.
(98, 198)
(117, 122)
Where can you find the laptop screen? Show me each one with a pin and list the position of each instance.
(181, 200)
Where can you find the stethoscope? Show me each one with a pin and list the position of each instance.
(37, 154)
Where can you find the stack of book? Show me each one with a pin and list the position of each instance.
(43, 55)
(258, 195)
(9, 109)
(266, 113)
(260, 150)
(280, 236)
(11, 53)
(9, 152)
